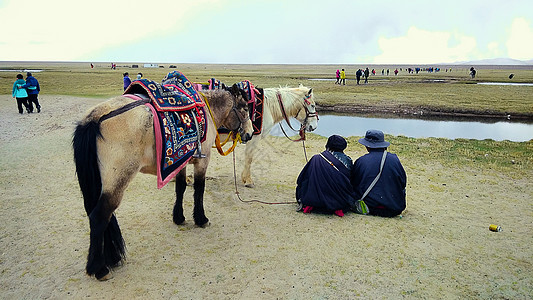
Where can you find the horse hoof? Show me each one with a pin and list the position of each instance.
(179, 221)
(103, 274)
(203, 223)
(249, 185)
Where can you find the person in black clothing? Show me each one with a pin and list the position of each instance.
(324, 183)
(358, 75)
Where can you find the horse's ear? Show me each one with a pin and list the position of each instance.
(234, 90)
(310, 92)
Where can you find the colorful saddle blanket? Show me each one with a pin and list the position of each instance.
(180, 123)
(256, 100)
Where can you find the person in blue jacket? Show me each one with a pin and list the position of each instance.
(387, 197)
(127, 80)
(33, 88)
(324, 183)
(20, 94)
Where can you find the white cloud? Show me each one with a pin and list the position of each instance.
(425, 47)
(67, 30)
(520, 42)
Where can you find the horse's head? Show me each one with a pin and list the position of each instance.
(238, 119)
(308, 116)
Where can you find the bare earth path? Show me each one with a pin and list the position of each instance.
(441, 248)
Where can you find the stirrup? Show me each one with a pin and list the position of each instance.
(198, 153)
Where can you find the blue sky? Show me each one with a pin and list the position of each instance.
(286, 31)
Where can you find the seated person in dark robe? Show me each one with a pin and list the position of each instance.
(324, 183)
(387, 196)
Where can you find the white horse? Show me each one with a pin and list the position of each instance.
(280, 104)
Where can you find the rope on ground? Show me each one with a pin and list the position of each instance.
(253, 200)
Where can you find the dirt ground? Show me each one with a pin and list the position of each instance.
(440, 249)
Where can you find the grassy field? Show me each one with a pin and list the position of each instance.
(448, 92)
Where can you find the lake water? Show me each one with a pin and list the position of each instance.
(506, 83)
(440, 80)
(21, 71)
(417, 128)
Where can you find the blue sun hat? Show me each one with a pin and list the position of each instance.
(374, 139)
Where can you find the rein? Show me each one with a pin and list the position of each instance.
(218, 145)
(301, 132)
(253, 200)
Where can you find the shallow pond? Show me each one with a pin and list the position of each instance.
(418, 128)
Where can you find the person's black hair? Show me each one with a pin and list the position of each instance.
(125, 73)
(28, 73)
(19, 76)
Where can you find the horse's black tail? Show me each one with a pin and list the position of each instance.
(86, 161)
(84, 143)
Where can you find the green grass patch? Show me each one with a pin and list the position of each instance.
(448, 91)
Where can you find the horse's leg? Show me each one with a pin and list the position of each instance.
(181, 186)
(107, 248)
(99, 221)
(249, 152)
(200, 168)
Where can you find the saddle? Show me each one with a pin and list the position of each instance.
(180, 126)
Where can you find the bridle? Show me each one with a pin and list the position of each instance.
(238, 130)
(239, 117)
(308, 115)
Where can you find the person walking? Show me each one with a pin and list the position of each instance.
(358, 75)
(473, 72)
(367, 73)
(33, 89)
(127, 80)
(20, 94)
(343, 77)
(338, 76)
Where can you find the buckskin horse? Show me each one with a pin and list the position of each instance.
(116, 139)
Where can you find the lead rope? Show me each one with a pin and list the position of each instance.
(253, 200)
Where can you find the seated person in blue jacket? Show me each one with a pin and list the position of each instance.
(386, 198)
(324, 183)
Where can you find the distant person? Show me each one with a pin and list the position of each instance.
(396, 72)
(127, 80)
(139, 76)
(374, 72)
(378, 178)
(33, 88)
(358, 75)
(92, 66)
(324, 183)
(20, 94)
(338, 76)
(343, 77)
(367, 73)
(473, 72)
